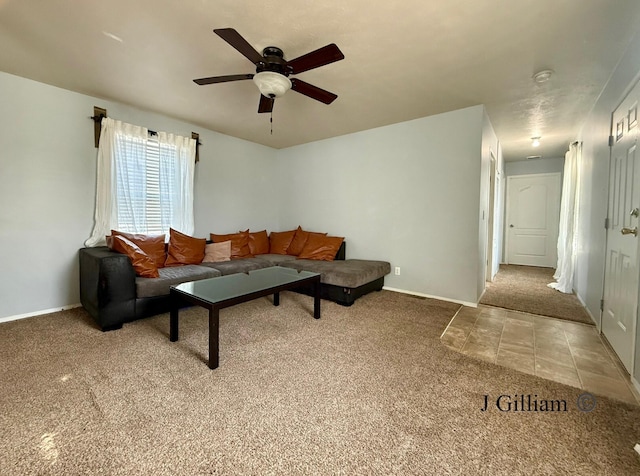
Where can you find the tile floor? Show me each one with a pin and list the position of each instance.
(555, 349)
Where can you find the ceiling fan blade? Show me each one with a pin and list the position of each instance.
(315, 59)
(312, 91)
(222, 79)
(234, 38)
(266, 104)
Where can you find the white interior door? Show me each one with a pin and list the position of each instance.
(619, 313)
(533, 216)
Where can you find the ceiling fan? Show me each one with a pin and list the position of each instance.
(273, 70)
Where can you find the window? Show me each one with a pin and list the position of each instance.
(145, 183)
(145, 187)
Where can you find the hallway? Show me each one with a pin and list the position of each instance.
(567, 352)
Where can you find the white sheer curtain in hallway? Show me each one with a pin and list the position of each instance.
(568, 220)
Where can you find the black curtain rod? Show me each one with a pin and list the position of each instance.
(101, 116)
(98, 119)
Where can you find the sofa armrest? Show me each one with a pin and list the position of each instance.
(107, 286)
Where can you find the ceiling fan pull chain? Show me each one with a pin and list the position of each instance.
(271, 122)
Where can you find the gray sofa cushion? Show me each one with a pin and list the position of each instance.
(149, 287)
(276, 259)
(243, 265)
(350, 273)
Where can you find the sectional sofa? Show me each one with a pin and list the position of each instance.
(113, 294)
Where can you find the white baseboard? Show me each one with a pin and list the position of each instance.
(482, 295)
(38, 313)
(635, 383)
(413, 293)
(584, 304)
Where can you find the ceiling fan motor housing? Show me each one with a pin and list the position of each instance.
(273, 61)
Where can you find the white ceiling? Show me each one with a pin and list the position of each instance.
(403, 60)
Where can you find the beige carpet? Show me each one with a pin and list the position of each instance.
(524, 288)
(365, 390)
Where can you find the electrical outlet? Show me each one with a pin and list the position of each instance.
(397, 270)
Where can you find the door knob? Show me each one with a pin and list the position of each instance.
(630, 231)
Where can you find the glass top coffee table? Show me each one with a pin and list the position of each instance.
(224, 291)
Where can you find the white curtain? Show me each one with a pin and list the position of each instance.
(122, 188)
(177, 168)
(568, 220)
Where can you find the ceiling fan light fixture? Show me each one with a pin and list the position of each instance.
(272, 85)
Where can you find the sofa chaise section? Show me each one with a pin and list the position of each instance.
(344, 281)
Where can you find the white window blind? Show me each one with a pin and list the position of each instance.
(145, 186)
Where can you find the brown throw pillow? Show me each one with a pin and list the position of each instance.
(142, 263)
(299, 240)
(239, 243)
(152, 245)
(258, 242)
(184, 249)
(279, 241)
(216, 252)
(321, 247)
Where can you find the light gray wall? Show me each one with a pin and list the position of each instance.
(48, 181)
(408, 193)
(235, 186)
(535, 166)
(47, 190)
(594, 172)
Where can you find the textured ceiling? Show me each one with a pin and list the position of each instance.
(403, 60)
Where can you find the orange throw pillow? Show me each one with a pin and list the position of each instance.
(184, 249)
(258, 242)
(321, 247)
(239, 243)
(299, 240)
(279, 241)
(142, 263)
(152, 245)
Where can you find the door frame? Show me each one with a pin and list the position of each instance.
(493, 169)
(507, 208)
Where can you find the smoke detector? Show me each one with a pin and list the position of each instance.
(543, 76)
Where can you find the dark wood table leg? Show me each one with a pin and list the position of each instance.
(276, 299)
(173, 319)
(316, 300)
(214, 327)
